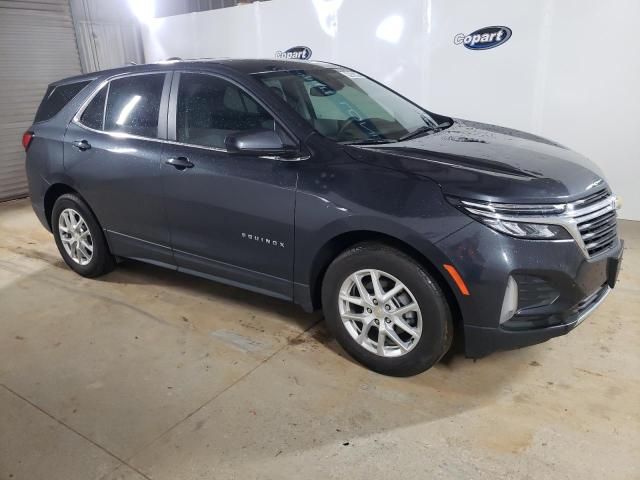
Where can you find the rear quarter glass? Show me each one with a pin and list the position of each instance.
(56, 98)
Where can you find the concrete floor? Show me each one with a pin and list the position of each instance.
(147, 373)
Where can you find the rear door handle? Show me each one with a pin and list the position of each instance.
(179, 162)
(82, 145)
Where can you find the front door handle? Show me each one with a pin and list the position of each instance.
(81, 145)
(179, 162)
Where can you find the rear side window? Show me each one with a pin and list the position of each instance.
(133, 105)
(93, 115)
(56, 98)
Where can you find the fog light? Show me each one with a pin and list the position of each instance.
(510, 302)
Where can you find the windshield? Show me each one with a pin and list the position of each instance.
(347, 107)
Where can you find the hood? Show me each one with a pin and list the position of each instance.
(491, 163)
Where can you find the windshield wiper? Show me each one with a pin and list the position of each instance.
(425, 129)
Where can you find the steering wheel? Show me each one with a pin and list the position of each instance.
(348, 123)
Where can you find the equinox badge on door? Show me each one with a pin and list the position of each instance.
(266, 241)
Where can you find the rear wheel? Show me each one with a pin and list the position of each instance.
(79, 237)
(386, 310)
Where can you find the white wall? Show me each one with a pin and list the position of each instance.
(569, 72)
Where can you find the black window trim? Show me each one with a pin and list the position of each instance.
(104, 107)
(173, 109)
(162, 114)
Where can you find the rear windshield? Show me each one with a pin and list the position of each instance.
(56, 98)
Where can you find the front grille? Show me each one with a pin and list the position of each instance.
(596, 220)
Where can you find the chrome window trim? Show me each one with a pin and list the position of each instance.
(124, 135)
(285, 159)
(569, 218)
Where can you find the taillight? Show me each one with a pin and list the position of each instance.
(26, 140)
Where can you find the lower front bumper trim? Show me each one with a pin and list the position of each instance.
(590, 309)
(481, 341)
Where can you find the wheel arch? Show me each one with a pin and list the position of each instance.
(338, 244)
(55, 191)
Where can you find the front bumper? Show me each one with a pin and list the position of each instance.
(480, 341)
(569, 286)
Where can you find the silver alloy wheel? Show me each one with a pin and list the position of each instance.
(75, 236)
(380, 313)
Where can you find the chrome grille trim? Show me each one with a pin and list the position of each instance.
(591, 221)
(592, 198)
(589, 304)
(597, 224)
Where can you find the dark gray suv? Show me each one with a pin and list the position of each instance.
(313, 183)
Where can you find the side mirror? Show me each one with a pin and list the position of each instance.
(258, 142)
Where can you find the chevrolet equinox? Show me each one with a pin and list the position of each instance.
(313, 183)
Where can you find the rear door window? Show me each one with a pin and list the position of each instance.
(133, 105)
(56, 98)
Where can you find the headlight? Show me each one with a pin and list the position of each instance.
(522, 221)
(526, 230)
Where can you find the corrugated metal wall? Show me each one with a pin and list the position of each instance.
(37, 46)
(108, 45)
(45, 40)
(108, 34)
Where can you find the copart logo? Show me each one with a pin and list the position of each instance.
(483, 38)
(295, 53)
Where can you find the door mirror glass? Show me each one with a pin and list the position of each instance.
(258, 142)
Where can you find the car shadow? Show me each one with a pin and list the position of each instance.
(131, 272)
(140, 273)
(305, 372)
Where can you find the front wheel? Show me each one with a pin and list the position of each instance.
(386, 310)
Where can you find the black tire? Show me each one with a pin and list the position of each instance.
(437, 324)
(101, 260)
